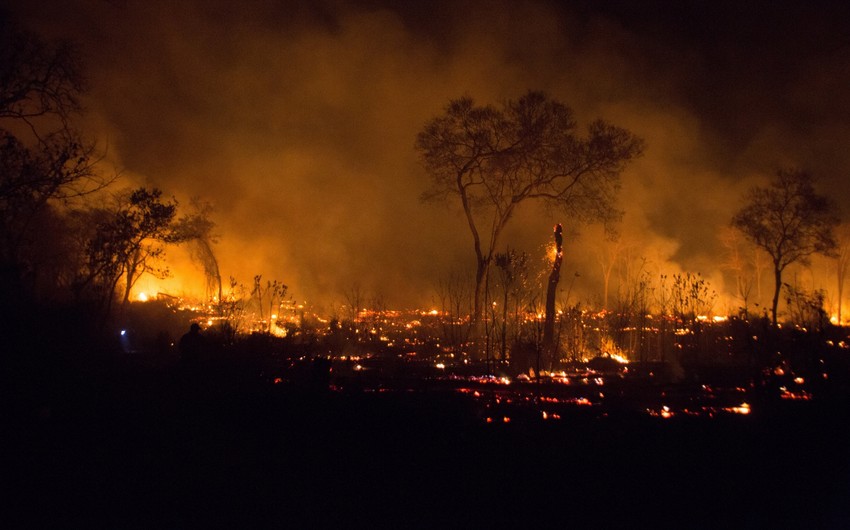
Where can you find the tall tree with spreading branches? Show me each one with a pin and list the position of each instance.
(790, 221)
(492, 159)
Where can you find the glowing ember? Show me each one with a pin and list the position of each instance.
(743, 408)
(802, 395)
(665, 412)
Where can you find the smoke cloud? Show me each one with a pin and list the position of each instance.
(297, 121)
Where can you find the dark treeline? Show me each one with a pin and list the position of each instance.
(73, 238)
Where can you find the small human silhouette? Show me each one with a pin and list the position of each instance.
(191, 344)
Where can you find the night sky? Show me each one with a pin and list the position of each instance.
(297, 119)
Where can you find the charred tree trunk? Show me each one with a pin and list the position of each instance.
(777, 276)
(503, 353)
(551, 291)
(482, 266)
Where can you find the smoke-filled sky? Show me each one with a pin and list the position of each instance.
(297, 119)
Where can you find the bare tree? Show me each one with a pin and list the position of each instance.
(196, 230)
(790, 221)
(455, 296)
(272, 294)
(231, 310)
(631, 298)
(378, 314)
(513, 272)
(355, 298)
(735, 261)
(494, 159)
(607, 258)
(571, 331)
(842, 263)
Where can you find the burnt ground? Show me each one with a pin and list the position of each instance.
(161, 449)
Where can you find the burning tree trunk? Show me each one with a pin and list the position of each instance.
(777, 287)
(551, 290)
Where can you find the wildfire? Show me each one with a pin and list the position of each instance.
(743, 408)
(551, 252)
(619, 358)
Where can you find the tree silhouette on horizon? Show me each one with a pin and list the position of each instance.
(790, 221)
(493, 159)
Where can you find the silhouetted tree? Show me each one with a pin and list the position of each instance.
(42, 157)
(512, 266)
(128, 241)
(37, 79)
(231, 310)
(631, 290)
(355, 298)
(494, 159)
(736, 262)
(551, 291)
(148, 223)
(455, 296)
(571, 330)
(30, 177)
(272, 294)
(842, 262)
(610, 252)
(196, 230)
(789, 221)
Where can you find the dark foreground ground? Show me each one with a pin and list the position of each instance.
(166, 451)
